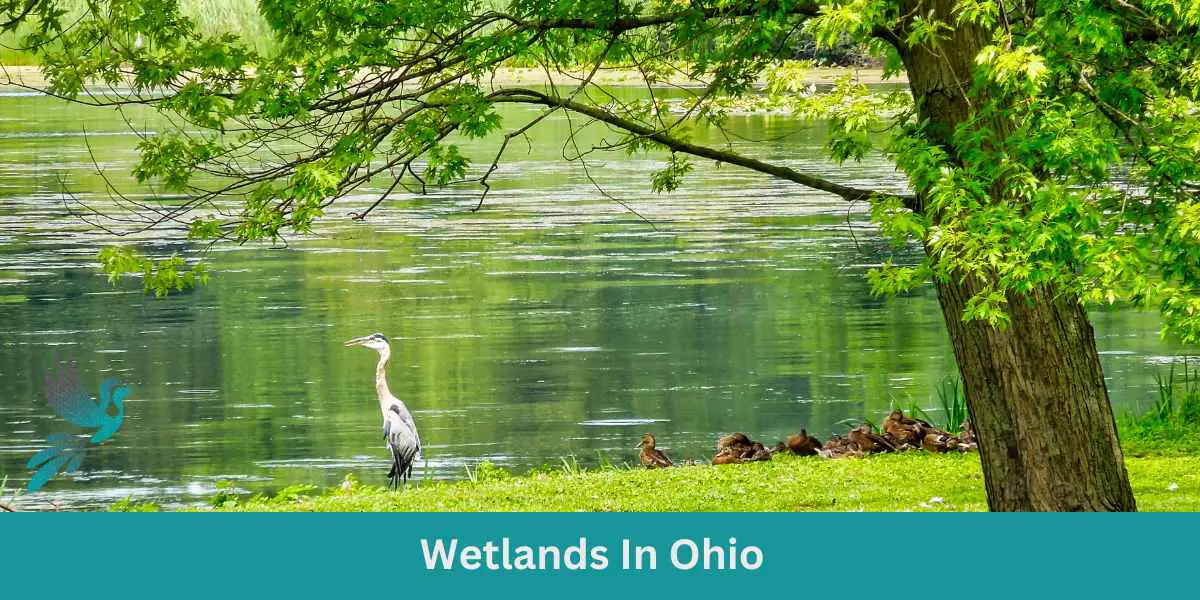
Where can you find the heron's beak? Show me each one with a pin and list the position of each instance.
(356, 342)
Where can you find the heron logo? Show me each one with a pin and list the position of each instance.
(67, 398)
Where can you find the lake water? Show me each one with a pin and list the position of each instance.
(555, 322)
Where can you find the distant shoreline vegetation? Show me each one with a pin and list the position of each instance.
(511, 76)
(213, 17)
(241, 19)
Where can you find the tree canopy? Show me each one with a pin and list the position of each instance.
(1077, 166)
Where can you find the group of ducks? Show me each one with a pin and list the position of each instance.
(900, 432)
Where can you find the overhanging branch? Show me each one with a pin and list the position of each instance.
(527, 96)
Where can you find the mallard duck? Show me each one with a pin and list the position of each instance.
(652, 458)
(904, 431)
(737, 441)
(967, 435)
(803, 444)
(868, 441)
(939, 441)
(839, 447)
(726, 456)
(742, 447)
(757, 451)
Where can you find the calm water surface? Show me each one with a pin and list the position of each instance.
(553, 322)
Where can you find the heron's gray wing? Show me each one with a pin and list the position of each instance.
(401, 433)
(404, 416)
(402, 413)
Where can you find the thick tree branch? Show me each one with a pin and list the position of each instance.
(526, 96)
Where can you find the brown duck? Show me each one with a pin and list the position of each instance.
(904, 431)
(740, 446)
(967, 436)
(737, 440)
(868, 441)
(757, 452)
(938, 441)
(726, 457)
(839, 447)
(653, 458)
(803, 444)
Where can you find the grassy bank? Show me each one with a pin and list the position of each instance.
(1141, 437)
(913, 481)
(1162, 448)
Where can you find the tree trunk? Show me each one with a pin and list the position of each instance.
(1035, 390)
(1037, 399)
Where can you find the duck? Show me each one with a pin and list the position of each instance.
(938, 441)
(757, 452)
(726, 457)
(904, 431)
(803, 444)
(652, 457)
(868, 441)
(839, 447)
(967, 436)
(737, 440)
(741, 446)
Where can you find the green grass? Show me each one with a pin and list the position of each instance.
(912, 481)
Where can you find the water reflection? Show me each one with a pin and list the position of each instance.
(552, 322)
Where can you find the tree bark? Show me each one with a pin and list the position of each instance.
(1035, 390)
(1037, 399)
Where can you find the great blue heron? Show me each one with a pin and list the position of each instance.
(398, 427)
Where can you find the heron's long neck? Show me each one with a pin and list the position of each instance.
(381, 386)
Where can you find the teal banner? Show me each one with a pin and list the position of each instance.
(598, 555)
